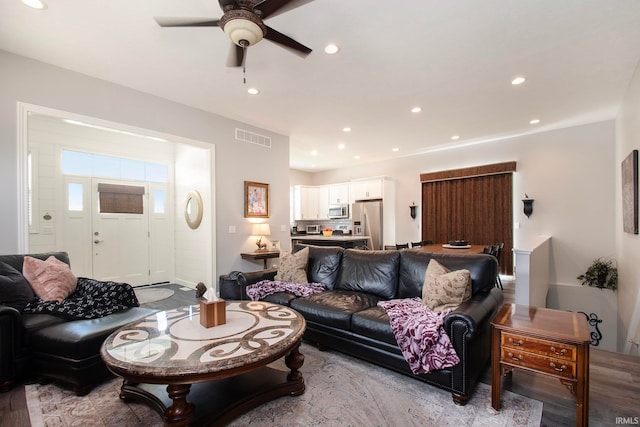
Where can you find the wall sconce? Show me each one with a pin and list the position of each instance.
(261, 230)
(412, 210)
(528, 205)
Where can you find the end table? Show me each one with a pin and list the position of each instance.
(545, 341)
(262, 255)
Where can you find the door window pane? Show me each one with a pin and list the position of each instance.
(121, 198)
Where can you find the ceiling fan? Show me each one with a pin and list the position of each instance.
(242, 22)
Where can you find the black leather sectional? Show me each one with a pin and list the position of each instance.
(346, 317)
(49, 347)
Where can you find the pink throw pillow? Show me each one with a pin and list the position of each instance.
(51, 280)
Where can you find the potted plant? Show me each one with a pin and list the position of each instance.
(602, 273)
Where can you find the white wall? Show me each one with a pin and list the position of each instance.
(628, 245)
(192, 172)
(33, 82)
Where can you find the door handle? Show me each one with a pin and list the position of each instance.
(97, 241)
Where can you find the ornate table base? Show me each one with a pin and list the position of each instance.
(218, 402)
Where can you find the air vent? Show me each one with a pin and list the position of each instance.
(253, 138)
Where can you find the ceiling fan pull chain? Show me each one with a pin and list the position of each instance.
(244, 64)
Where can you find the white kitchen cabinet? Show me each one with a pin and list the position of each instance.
(338, 194)
(323, 202)
(366, 189)
(311, 202)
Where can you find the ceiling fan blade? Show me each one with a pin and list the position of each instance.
(286, 41)
(166, 21)
(236, 56)
(276, 7)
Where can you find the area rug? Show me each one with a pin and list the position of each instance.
(341, 391)
(147, 295)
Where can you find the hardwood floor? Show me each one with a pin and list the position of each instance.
(614, 384)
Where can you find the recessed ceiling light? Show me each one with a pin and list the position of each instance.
(356, 157)
(314, 152)
(253, 91)
(346, 129)
(518, 80)
(416, 109)
(36, 4)
(331, 49)
(535, 121)
(395, 149)
(340, 146)
(454, 137)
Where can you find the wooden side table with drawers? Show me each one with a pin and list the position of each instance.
(545, 341)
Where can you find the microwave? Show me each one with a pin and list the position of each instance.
(338, 211)
(313, 229)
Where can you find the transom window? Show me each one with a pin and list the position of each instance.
(87, 164)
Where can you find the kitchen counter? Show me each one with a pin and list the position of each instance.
(345, 241)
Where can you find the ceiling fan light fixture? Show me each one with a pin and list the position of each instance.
(243, 32)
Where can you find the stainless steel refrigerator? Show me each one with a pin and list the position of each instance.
(367, 221)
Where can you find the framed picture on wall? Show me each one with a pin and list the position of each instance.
(256, 200)
(630, 193)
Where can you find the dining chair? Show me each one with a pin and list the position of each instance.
(389, 247)
(402, 246)
(427, 242)
(416, 244)
(497, 249)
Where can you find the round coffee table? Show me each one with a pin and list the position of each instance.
(169, 357)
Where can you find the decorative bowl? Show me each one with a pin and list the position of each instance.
(327, 233)
(458, 242)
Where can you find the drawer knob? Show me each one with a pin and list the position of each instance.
(556, 368)
(514, 342)
(517, 358)
(562, 352)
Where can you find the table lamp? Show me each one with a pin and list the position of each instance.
(261, 230)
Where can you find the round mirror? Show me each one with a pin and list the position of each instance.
(193, 209)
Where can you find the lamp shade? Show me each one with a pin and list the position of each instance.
(261, 230)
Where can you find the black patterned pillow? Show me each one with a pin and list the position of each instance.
(15, 291)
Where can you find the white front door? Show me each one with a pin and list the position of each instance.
(120, 241)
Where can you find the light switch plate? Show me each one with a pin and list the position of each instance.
(232, 229)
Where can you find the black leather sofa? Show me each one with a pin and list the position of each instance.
(346, 317)
(48, 347)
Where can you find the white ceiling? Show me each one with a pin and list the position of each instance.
(454, 58)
